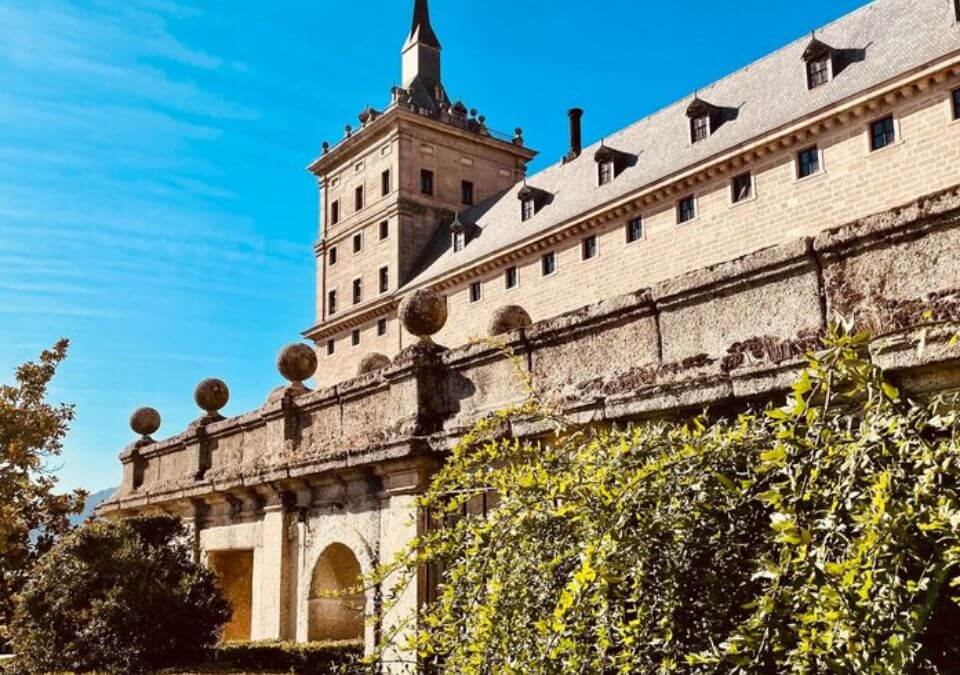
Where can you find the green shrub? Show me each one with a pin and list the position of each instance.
(319, 658)
(822, 535)
(119, 597)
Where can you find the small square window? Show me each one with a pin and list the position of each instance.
(459, 240)
(466, 192)
(686, 209)
(355, 337)
(385, 183)
(605, 172)
(335, 212)
(332, 302)
(426, 181)
(476, 291)
(331, 347)
(358, 242)
(384, 279)
(381, 327)
(527, 209)
(818, 72)
(510, 277)
(634, 230)
(808, 162)
(358, 198)
(882, 133)
(357, 291)
(956, 104)
(384, 229)
(548, 263)
(742, 187)
(332, 256)
(588, 247)
(699, 128)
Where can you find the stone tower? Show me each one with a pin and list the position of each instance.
(392, 185)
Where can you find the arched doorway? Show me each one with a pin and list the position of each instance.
(339, 618)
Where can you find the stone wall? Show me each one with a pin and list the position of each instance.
(341, 465)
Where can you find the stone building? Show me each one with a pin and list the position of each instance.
(684, 261)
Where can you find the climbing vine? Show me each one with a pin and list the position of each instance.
(821, 535)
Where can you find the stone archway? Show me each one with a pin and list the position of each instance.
(339, 618)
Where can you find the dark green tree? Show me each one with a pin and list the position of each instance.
(118, 596)
(32, 515)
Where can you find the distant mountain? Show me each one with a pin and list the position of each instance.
(92, 501)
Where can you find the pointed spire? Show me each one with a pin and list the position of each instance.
(421, 30)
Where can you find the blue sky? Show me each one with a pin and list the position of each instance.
(154, 203)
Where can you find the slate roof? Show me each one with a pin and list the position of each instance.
(881, 41)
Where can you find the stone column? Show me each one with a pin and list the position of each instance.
(400, 522)
(271, 573)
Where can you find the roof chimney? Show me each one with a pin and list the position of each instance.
(576, 141)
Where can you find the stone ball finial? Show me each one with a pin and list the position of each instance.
(145, 421)
(372, 362)
(297, 362)
(211, 395)
(423, 313)
(508, 318)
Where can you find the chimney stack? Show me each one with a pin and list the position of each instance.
(576, 142)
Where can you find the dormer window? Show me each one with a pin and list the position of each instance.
(610, 163)
(818, 72)
(458, 234)
(605, 172)
(706, 118)
(528, 208)
(819, 60)
(531, 201)
(699, 128)
(459, 241)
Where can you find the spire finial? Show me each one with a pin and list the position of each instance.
(421, 30)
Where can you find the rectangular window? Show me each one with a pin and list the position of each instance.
(475, 291)
(605, 174)
(742, 187)
(808, 162)
(332, 256)
(459, 240)
(527, 209)
(358, 242)
(384, 279)
(331, 347)
(588, 247)
(510, 277)
(335, 212)
(686, 209)
(548, 263)
(385, 183)
(355, 337)
(634, 230)
(699, 128)
(384, 229)
(358, 198)
(466, 192)
(357, 291)
(818, 72)
(426, 181)
(882, 133)
(332, 302)
(381, 327)
(956, 104)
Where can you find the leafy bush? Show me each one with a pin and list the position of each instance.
(822, 535)
(318, 658)
(117, 596)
